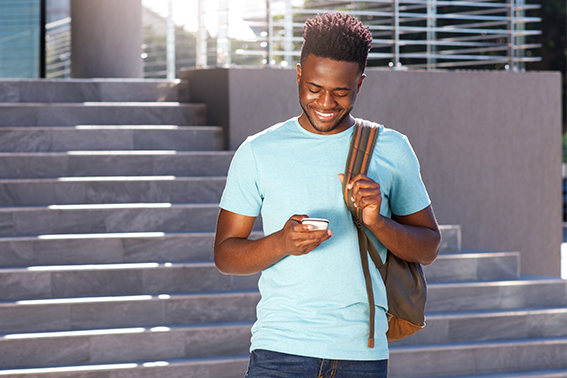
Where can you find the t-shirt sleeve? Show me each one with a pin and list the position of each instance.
(241, 194)
(408, 194)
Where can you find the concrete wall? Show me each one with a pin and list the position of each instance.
(106, 39)
(489, 143)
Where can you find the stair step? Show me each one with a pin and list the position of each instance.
(143, 310)
(164, 343)
(102, 113)
(111, 137)
(86, 90)
(50, 221)
(450, 238)
(103, 346)
(524, 292)
(213, 367)
(109, 247)
(110, 190)
(217, 367)
(113, 163)
(474, 266)
(105, 248)
(172, 247)
(445, 328)
(477, 358)
(117, 279)
(66, 314)
(159, 278)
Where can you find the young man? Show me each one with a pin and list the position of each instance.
(313, 314)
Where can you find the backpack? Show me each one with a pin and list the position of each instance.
(405, 283)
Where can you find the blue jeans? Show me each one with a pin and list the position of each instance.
(267, 364)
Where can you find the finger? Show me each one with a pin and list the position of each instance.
(363, 197)
(359, 176)
(298, 217)
(295, 220)
(303, 246)
(364, 188)
(361, 180)
(311, 236)
(372, 202)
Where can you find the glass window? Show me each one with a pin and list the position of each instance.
(19, 38)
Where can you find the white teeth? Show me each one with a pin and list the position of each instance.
(326, 115)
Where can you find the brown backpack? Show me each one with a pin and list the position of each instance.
(404, 281)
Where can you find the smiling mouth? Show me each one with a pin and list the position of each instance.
(325, 115)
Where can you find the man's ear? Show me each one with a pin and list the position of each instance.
(298, 71)
(362, 77)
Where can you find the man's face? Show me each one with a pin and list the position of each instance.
(327, 92)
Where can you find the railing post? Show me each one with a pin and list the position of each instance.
(270, 17)
(511, 37)
(223, 43)
(431, 34)
(396, 33)
(170, 42)
(520, 40)
(288, 28)
(201, 61)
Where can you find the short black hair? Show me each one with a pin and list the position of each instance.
(338, 36)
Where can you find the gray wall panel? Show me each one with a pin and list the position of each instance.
(489, 143)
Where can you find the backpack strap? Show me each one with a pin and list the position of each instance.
(360, 152)
(361, 147)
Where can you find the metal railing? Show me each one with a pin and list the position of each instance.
(407, 34)
(417, 34)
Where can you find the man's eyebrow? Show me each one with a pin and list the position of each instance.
(335, 89)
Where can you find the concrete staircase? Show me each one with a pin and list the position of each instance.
(108, 202)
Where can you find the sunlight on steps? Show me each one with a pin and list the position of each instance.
(155, 205)
(103, 236)
(93, 299)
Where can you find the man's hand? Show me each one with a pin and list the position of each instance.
(300, 239)
(366, 195)
(236, 254)
(414, 237)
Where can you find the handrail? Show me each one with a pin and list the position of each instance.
(407, 33)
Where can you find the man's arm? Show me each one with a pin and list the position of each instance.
(236, 254)
(413, 237)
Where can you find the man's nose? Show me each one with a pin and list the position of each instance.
(326, 100)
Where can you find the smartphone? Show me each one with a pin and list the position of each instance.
(317, 223)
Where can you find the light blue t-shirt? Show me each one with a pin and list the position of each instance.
(316, 304)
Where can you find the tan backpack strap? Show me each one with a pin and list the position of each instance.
(350, 164)
(360, 152)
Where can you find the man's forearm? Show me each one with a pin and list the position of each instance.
(410, 243)
(414, 238)
(244, 256)
(235, 253)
